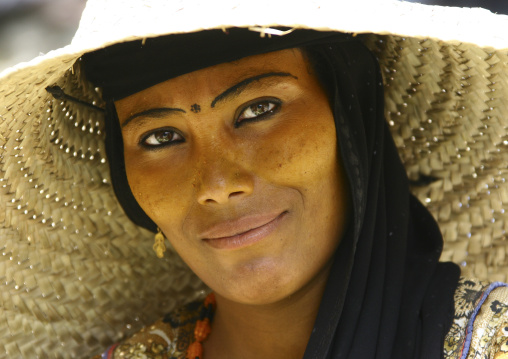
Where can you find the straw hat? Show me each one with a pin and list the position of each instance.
(78, 275)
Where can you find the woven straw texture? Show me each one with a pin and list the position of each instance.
(76, 274)
(448, 110)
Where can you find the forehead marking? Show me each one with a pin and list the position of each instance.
(195, 108)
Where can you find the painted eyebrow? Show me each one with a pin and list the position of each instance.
(235, 90)
(154, 112)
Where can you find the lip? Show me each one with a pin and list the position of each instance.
(243, 231)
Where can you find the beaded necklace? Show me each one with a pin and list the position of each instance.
(202, 328)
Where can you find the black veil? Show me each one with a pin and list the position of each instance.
(387, 295)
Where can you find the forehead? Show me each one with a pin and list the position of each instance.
(213, 80)
(251, 65)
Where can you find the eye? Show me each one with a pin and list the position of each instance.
(162, 137)
(258, 111)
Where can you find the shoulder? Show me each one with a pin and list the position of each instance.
(168, 337)
(480, 325)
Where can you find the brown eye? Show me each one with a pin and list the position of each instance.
(257, 110)
(161, 138)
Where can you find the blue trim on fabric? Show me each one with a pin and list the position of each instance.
(470, 324)
(107, 353)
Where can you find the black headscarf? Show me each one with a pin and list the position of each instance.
(387, 296)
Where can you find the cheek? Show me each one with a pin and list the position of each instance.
(303, 156)
(300, 152)
(156, 186)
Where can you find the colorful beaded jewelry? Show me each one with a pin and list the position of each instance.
(202, 329)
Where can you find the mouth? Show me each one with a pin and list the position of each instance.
(242, 232)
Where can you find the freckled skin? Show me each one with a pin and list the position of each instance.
(286, 162)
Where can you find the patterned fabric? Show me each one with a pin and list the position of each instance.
(480, 326)
(168, 338)
(479, 330)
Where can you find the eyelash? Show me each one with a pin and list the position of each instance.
(163, 132)
(272, 106)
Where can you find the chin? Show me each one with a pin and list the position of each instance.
(260, 282)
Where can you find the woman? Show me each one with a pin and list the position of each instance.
(246, 183)
(269, 166)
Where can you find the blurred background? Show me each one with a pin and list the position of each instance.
(29, 28)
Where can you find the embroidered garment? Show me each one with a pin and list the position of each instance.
(479, 330)
(167, 338)
(480, 325)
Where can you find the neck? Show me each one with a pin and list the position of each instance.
(276, 330)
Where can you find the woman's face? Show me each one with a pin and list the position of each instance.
(237, 164)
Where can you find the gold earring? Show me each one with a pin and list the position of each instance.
(159, 247)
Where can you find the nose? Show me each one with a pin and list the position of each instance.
(220, 179)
